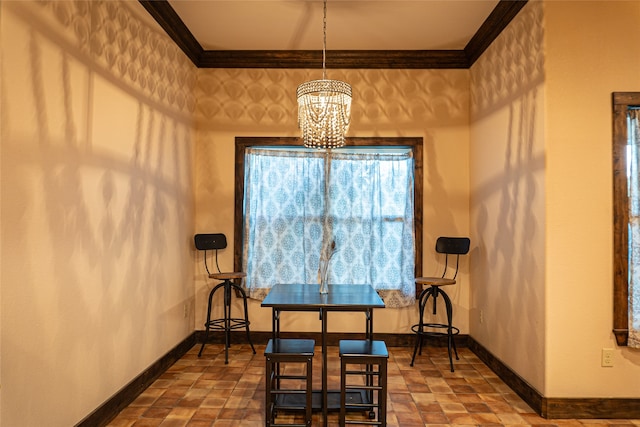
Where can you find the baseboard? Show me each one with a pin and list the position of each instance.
(557, 408)
(109, 409)
(523, 389)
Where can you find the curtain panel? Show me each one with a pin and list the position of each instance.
(298, 202)
(633, 185)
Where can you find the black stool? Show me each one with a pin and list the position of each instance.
(227, 323)
(454, 246)
(425, 329)
(374, 355)
(277, 397)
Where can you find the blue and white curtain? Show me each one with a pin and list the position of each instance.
(298, 201)
(633, 183)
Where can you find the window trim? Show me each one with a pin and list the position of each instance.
(621, 101)
(241, 143)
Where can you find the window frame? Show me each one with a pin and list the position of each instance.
(621, 101)
(241, 143)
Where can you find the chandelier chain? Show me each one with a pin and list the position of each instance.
(324, 41)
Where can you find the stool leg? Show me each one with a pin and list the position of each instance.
(246, 314)
(268, 415)
(227, 320)
(343, 391)
(424, 297)
(207, 320)
(309, 395)
(382, 394)
(450, 342)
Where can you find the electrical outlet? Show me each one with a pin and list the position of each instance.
(186, 311)
(607, 357)
(481, 316)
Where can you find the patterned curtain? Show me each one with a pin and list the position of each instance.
(297, 202)
(633, 183)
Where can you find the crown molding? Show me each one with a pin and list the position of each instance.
(175, 28)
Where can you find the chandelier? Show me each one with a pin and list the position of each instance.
(324, 106)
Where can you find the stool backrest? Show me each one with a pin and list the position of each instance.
(205, 242)
(452, 246)
(210, 241)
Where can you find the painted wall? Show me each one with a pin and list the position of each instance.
(603, 40)
(432, 104)
(542, 207)
(96, 203)
(508, 197)
(100, 164)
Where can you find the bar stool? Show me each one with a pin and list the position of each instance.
(280, 393)
(374, 355)
(227, 323)
(449, 246)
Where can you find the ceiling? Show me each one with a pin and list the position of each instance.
(359, 33)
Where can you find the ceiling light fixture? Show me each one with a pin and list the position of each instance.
(324, 106)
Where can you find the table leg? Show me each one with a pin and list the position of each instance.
(369, 334)
(325, 402)
(275, 323)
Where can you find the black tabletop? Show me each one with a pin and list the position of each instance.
(308, 296)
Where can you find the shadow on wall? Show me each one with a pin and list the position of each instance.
(508, 205)
(104, 181)
(265, 99)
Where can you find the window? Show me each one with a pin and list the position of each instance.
(626, 218)
(377, 205)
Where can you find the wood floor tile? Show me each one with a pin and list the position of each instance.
(204, 392)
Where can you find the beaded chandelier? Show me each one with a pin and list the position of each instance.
(324, 106)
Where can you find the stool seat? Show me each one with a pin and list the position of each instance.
(228, 276)
(363, 348)
(435, 281)
(290, 346)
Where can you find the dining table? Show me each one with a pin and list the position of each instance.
(340, 298)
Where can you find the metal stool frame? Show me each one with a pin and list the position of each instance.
(449, 246)
(226, 323)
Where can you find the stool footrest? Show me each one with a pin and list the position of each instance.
(416, 329)
(363, 387)
(221, 323)
(354, 406)
(288, 391)
(289, 377)
(349, 372)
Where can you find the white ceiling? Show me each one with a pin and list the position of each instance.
(351, 24)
